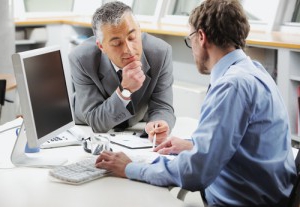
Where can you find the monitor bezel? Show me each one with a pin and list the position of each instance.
(25, 101)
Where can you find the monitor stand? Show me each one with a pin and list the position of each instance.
(19, 158)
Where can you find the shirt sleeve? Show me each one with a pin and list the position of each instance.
(125, 102)
(216, 139)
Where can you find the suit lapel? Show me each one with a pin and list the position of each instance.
(107, 75)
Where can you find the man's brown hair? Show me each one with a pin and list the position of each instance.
(223, 21)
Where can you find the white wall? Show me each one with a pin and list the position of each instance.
(6, 36)
(184, 66)
(7, 47)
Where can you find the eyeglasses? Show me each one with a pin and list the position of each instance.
(187, 40)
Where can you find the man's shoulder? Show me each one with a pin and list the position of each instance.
(87, 48)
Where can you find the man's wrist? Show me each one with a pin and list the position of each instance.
(126, 93)
(119, 92)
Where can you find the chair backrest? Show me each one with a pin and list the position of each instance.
(294, 199)
(2, 91)
(297, 161)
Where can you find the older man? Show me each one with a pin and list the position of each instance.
(122, 76)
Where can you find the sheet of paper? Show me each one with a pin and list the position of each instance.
(130, 141)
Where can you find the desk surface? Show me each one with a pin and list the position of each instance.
(255, 38)
(31, 187)
(25, 187)
(10, 81)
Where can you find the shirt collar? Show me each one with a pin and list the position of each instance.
(115, 67)
(224, 63)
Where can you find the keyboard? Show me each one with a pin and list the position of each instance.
(84, 170)
(64, 139)
(77, 173)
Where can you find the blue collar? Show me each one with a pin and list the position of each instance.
(224, 63)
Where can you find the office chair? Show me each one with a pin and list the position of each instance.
(297, 161)
(294, 199)
(2, 94)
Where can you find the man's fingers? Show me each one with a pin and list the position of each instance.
(141, 74)
(133, 65)
(165, 151)
(162, 145)
(136, 73)
(102, 164)
(105, 155)
(155, 129)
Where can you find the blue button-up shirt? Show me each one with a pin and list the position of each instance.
(242, 152)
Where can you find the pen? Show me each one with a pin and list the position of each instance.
(154, 138)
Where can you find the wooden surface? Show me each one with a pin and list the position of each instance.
(10, 81)
(255, 38)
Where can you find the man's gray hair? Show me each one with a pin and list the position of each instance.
(108, 14)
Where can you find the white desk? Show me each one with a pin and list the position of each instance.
(31, 187)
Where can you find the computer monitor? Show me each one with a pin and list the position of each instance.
(44, 100)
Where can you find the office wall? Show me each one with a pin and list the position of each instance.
(6, 36)
(7, 48)
(184, 66)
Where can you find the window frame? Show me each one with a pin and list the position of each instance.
(287, 25)
(21, 13)
(255, 25)
(160, 6)
(172, 19)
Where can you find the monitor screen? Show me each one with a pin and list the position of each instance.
(44, 99)
(48, 92)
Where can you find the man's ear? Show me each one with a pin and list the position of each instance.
(100, 46)
(202, 37)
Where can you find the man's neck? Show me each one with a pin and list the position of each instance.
(216, 53)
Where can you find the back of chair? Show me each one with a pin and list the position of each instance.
(294, 199)
(297, 161)
(2, 91)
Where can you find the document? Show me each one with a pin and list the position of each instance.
(130, 141)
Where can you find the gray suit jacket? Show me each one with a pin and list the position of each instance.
(95, 81)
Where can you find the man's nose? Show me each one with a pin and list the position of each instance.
(128, 47)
